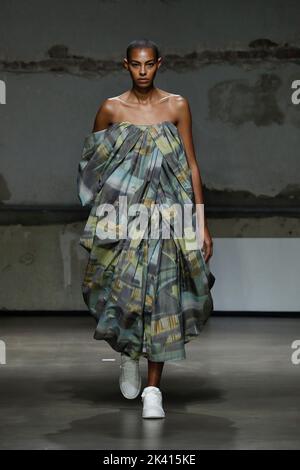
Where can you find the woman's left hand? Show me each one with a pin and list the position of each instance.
(207, 244)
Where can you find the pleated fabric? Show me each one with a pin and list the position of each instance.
(149, 296)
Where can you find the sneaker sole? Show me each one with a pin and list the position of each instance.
(152, 415)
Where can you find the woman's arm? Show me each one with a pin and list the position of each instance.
(184, 126)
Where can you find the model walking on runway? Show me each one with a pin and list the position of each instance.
(148, 295)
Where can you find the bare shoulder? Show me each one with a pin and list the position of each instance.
(181, 102)
(180, 108)
(107, 107)
(104, 115)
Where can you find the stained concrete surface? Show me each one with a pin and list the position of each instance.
(237, 389)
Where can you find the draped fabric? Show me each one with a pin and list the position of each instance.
(149, 295)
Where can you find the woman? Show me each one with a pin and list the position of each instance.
(149, 297)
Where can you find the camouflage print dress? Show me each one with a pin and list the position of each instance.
(148, 295)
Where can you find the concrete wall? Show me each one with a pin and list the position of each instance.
(235, 62)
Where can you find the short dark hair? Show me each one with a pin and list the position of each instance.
(139, 43)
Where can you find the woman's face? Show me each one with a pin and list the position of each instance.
(142, 66)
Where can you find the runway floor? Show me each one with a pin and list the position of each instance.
(237, 389)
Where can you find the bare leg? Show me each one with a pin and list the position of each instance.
(154, 373)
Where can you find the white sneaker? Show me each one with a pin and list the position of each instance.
(152, 403)
(130, 378)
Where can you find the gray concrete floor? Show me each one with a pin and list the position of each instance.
(237, 389)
